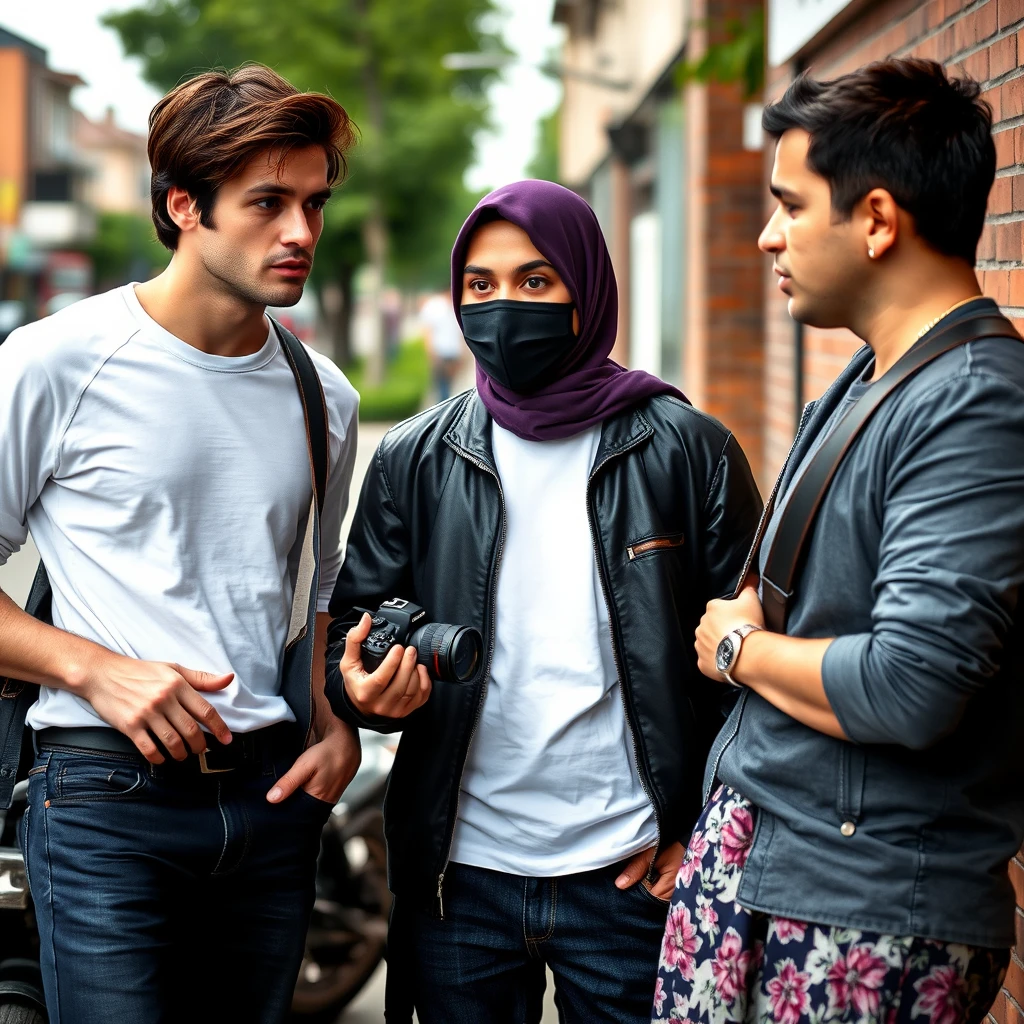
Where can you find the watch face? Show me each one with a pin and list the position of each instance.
(725, 654)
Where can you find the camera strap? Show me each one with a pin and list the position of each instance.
(783, 560)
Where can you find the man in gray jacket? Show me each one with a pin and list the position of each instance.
(851, 861)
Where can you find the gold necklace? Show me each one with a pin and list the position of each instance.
(942, 316)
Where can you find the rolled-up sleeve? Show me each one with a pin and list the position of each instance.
(950, 568)
(28, 437)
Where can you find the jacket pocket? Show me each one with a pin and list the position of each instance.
(850, 792)
(652, 545)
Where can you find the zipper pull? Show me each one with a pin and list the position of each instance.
(440, 898)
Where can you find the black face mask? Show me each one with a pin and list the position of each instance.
(520, 345)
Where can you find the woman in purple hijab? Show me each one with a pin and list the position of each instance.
(586, 387)
(580, 516)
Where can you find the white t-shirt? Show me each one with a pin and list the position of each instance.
(445, 334)
(167, 491)
(551, 784)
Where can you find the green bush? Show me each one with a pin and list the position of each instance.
(401, 392)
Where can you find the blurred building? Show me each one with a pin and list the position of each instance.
(43, 215)
(675, 176)
(117, 179)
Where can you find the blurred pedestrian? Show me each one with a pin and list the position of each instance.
(154, 441)
(865, 795)
(445, 344)
(579, 515)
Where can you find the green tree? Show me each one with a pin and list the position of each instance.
(125, 249)
(544, 163)
(382, 60)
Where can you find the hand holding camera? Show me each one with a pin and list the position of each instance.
(391, 657)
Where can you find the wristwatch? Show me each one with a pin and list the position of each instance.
(729, 650)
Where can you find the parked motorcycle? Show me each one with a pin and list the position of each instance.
(21, 984)
(348, 929)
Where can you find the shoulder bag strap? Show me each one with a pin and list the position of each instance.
(314, 409)
(795, 524)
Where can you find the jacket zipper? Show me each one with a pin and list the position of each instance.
(487, 672)
(640, 771)
(765, 513)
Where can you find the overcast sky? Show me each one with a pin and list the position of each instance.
(71, 31)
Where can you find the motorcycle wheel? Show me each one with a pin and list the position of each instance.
(18, 1013)
(345, 943)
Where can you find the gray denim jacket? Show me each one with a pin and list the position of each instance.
(915, 564)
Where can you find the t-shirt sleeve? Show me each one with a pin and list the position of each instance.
(345, 411)
(28, 436)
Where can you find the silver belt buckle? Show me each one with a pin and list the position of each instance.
(206, 769)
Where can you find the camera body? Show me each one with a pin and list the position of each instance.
(449, 653)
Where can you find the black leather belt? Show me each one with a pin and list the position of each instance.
(246, 749)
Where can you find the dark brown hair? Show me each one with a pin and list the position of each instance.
(903, 125)
(202, 133)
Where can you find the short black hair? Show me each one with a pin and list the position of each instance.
(903, 125)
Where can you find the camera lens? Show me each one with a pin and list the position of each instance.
(450, 653)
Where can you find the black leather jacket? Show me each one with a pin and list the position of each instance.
(673, 509)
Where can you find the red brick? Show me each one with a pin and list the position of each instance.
(1014, 983)
(1010, 12)
(1017, 879)
(1004, 149)
(1002, 56)
(987, 20)
(1009, 243)
(998, 1008)
(1018, 145)
(1017, 191)
(997, 286)
(1000, 199)
(987, 243)
(1018, 917)
(1011, 99)
(977, 66)
(1016, 294)
(933, 15)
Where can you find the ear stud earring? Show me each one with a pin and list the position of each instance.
(871, 253)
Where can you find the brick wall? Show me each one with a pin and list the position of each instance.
(724, 354)
(985, 38)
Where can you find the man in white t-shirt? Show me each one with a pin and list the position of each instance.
(154, 441)
(445, 345)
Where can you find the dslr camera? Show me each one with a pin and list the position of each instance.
(450, 653)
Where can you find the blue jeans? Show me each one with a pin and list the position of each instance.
(163, 898)
(484, 960)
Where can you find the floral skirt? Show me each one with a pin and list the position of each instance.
(721, 962)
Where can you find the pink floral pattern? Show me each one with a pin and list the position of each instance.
(940, 995)
(680, 943)
(731, 966)
(856, 980)
(788, 930)
(723, 964)
(737, 834)
(787, 993)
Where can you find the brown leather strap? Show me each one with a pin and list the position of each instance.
(794, 526)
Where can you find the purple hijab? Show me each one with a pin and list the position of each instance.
(565, 231)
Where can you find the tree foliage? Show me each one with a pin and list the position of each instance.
(735, 54)
(125, 249)
(382, 60)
